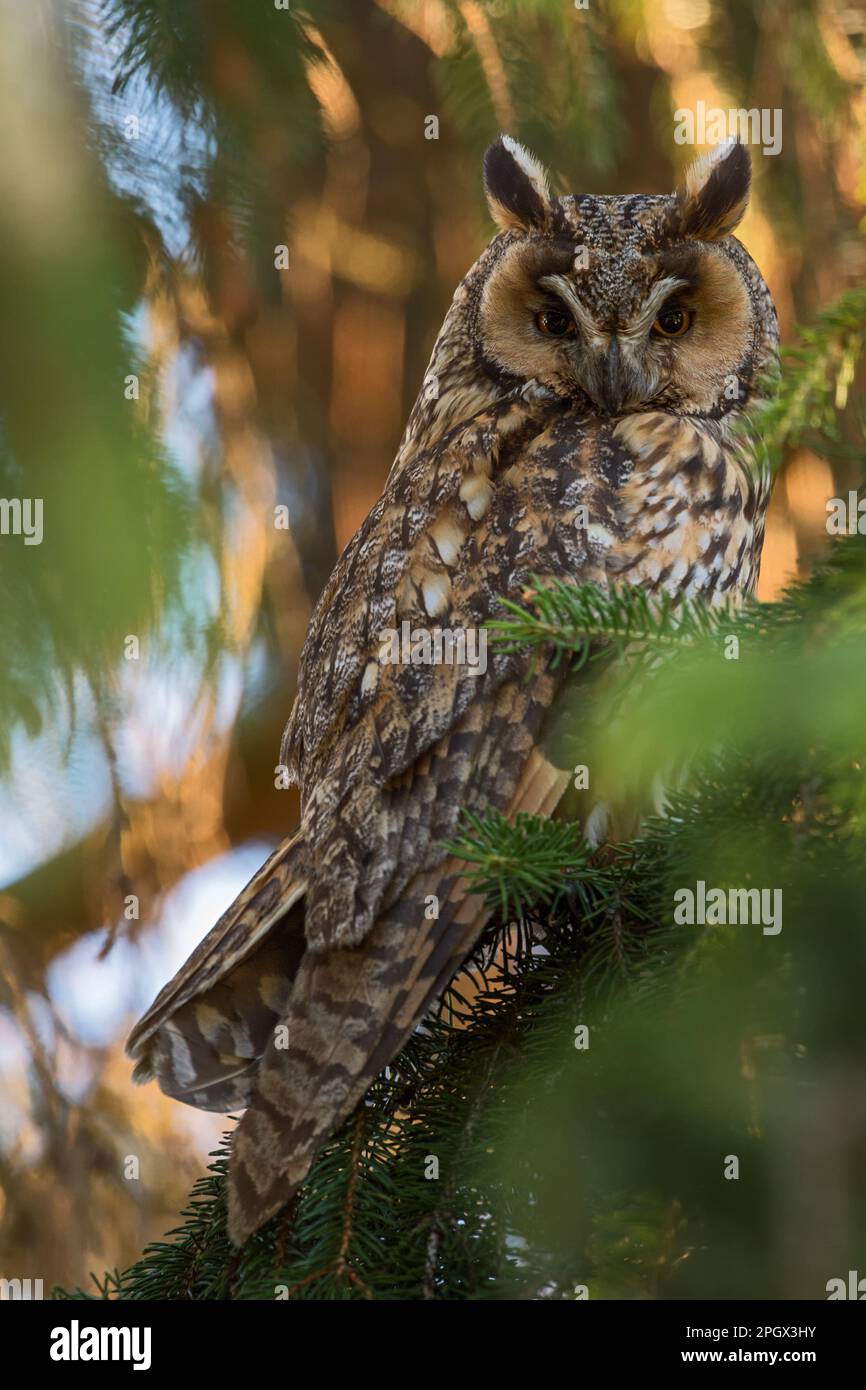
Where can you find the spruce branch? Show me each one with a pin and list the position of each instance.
(522, 863)
(574, 618)
(812, 392)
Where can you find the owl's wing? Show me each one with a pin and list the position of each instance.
(241, 931)
(205, 1033)
(352, 1008)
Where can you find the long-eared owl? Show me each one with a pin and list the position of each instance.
(575, 423)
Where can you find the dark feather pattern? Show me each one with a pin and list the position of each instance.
(515, 198)
(710, 207)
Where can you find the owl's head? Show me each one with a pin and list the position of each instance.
(625, 303)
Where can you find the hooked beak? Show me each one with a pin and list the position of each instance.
(608, 384)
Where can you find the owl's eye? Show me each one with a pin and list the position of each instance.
(554, 323)
(672, 323)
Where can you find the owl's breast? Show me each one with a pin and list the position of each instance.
(691, 510)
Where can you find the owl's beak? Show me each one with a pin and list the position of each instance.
(611, 384)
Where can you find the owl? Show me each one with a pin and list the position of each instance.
(576, 423)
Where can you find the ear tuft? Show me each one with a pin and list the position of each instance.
(516, 186)
(716, 192)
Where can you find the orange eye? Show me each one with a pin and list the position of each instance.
(554, 323)
(672, 323)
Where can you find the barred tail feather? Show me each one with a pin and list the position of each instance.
(202, 1036)
(206, 1053)
(350, 1012)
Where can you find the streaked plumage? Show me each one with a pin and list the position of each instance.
(334, 940)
